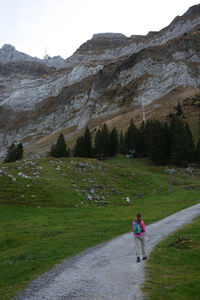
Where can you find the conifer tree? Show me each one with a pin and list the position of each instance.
(105, 141)
(190, 147)
(78, 147)
(52, 151)
(178, 144)
(11, 154)
(83, 146)
(87, 143)
(113, 142)
(19, 151)
(130, 137)
(179, 111)
(98, 146)
(14, 153)
(60, 149)
(156, 142)
(197, 151)
(121, 144)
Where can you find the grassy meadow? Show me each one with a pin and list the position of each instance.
(65, 206)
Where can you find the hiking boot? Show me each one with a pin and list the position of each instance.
(145, 257)
(138, 259)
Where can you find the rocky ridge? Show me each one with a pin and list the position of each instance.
(103, 77)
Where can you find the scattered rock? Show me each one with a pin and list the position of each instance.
(23, 175)
(189, 169)
(89, 197)
(116, 192)
(81, 165)
(100, 202)
(139, 195)
(13, 178)
(190, 187)
(84, 192)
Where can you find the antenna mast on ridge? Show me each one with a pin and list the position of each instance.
(46, 56)
(143, 112)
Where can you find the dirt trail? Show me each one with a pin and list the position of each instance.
(108, 271)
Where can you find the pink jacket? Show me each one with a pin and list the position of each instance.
(143, 228)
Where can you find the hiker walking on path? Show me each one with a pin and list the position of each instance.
(139, 235)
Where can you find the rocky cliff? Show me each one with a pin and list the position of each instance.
(108, 77)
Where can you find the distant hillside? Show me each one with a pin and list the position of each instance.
(107, 79)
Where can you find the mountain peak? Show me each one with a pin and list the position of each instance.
(8, 53)
(193, 10)
(8, 47)
(108, 35)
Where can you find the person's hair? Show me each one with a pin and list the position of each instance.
(139, 217)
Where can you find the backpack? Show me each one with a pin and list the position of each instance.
(137, 228)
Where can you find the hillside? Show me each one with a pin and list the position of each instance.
(52, 209)
(107, 79)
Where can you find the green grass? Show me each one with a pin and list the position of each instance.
(46, 220)
(173, 270)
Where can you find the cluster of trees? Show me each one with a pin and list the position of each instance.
(14, 153)
(106, 143)
(162, 143)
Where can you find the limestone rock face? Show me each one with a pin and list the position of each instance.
(107, 74)
(111, 46)
(9, 54)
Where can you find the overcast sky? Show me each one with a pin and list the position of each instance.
(63, 25)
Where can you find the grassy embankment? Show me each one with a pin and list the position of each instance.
(46, 218)
(173, 270)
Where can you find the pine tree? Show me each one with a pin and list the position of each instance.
(178, 144)
(156, 148)
(197, 151)
(83, 146)
(167, 140)
(11, 154)
(121, 144)
(87, 143)
(98, 144)
(52, 151)
(14, 153)
(130, 137)
(60, 149)
(190, 147)
(77, 148)
(139, 143)
(113, 142)
(105, 141)
(19, 151)
(179, 111)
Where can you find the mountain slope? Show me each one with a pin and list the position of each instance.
(107, 79)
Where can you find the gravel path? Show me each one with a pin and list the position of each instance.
(108, 271)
